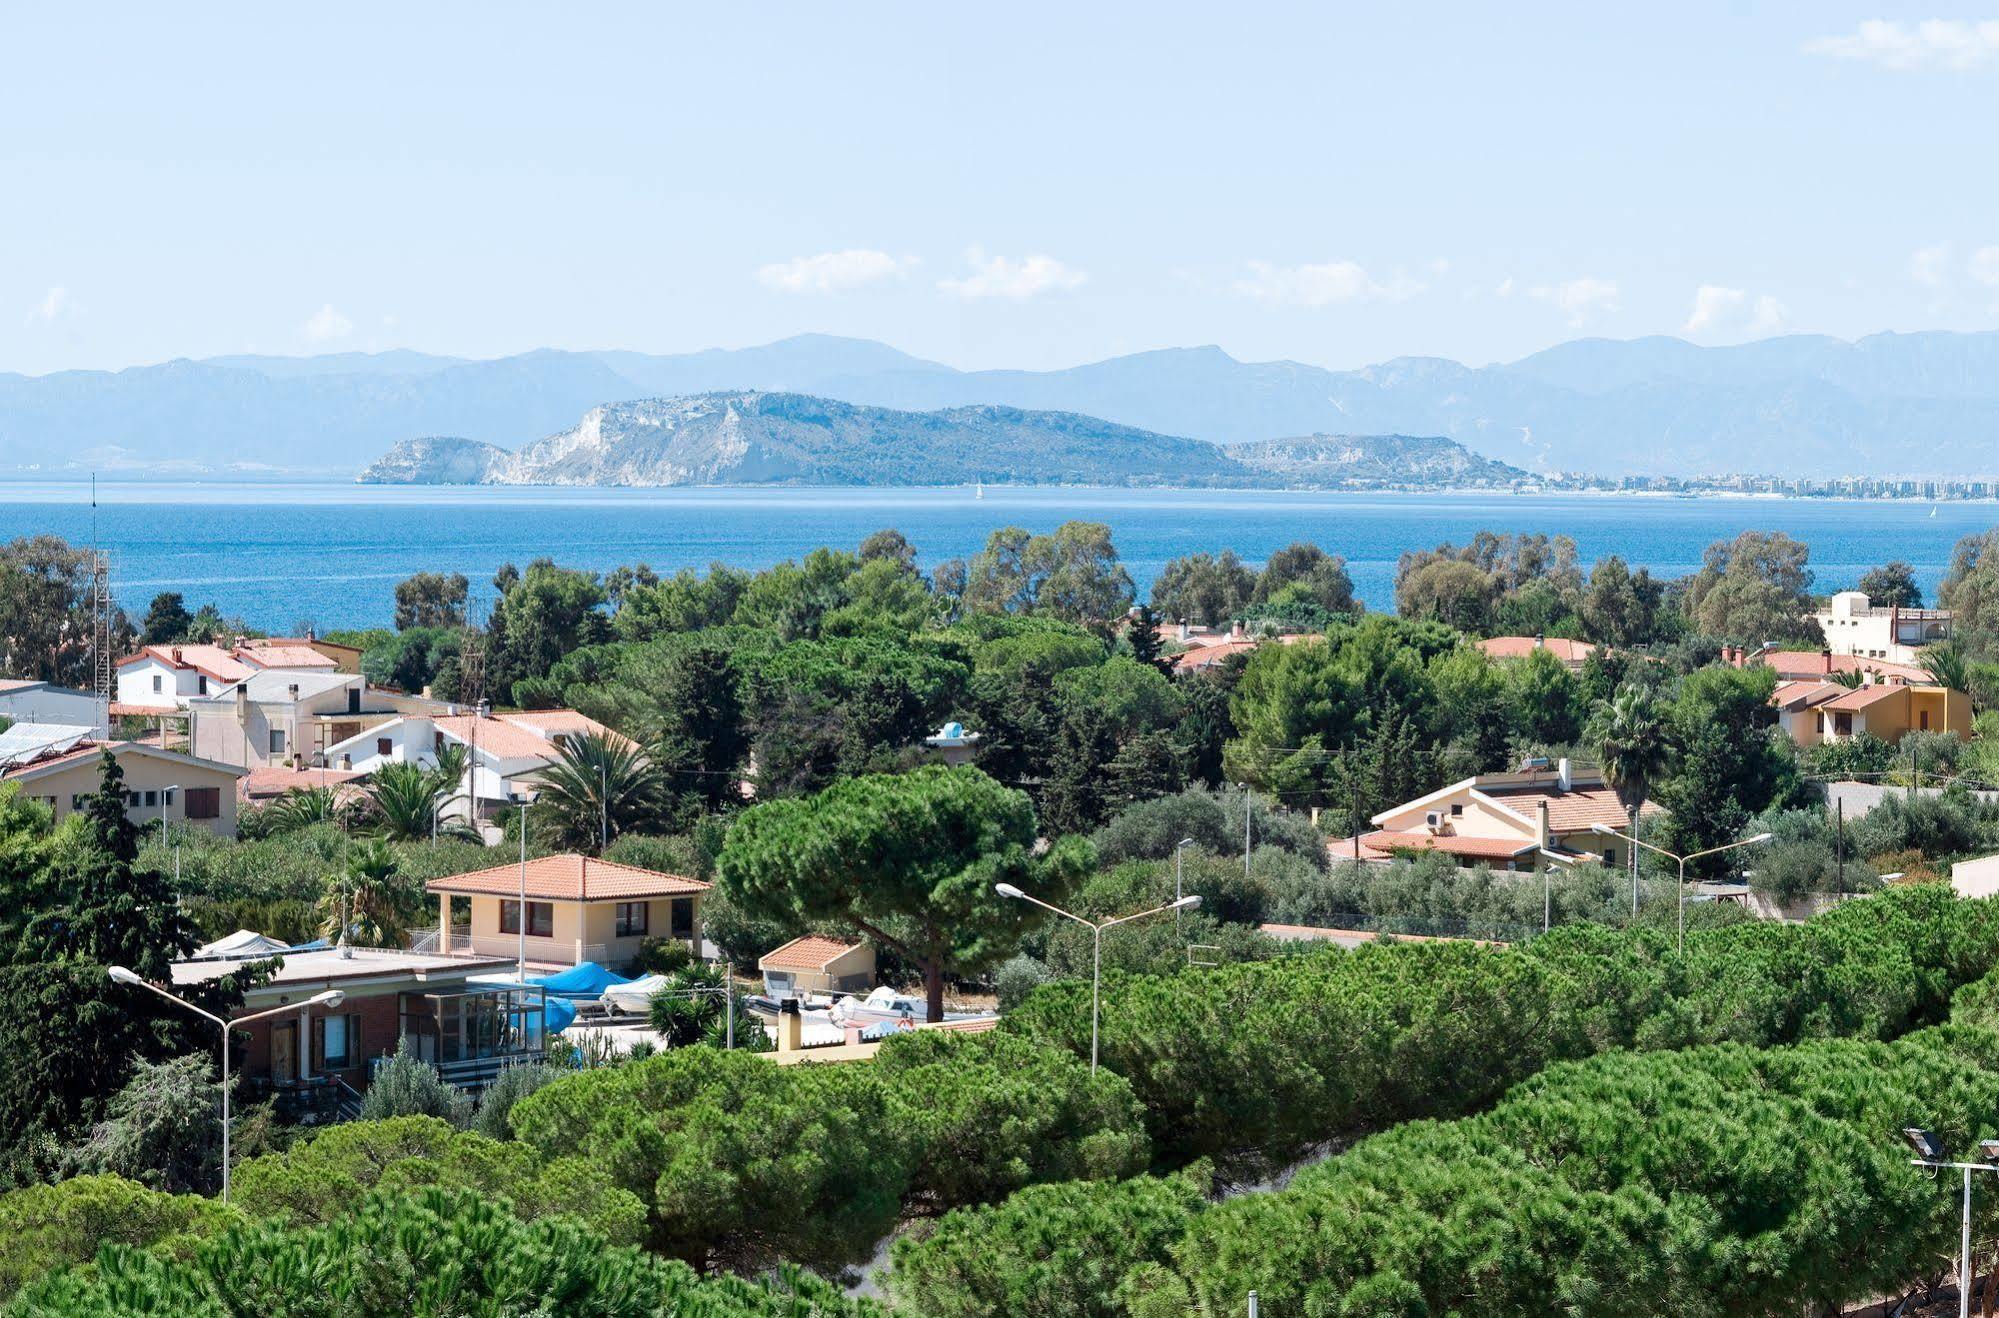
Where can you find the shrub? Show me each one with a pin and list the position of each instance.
(509, 1087)
(407, 1086)
(1016, 979)
(163, 1129)
(663, 956)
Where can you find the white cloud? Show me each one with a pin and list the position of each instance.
(999, 276)
(1321, 285)
(1578, 299)
(831, 272)
(325, 325)
(1935, 43)
(53, 305)
(1985, 266)
(1719, 310)
(1928, 265)
(1505, 288)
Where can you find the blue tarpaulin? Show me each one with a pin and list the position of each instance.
(560, 1013)
(588, 980)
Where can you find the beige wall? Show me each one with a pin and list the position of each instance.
(143, 773)
(1478, 819)
(580, 926)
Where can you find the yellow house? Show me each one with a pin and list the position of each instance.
(579, 909)
(1504, 820)
(1811, 712)
(159, 784)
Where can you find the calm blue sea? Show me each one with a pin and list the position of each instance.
(279, 555)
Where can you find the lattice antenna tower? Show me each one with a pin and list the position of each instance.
(102, 611)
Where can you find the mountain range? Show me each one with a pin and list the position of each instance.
(1923, 403)
(756, 438)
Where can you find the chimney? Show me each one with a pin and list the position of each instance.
(1540, 641)
(1563, 778)
(311, 634)
(1181, 631)
(1542, 837)
(790, 1027)
(1235, 630)
(1825, 657)
(242, 704)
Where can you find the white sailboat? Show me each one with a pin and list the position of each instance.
(980, 493)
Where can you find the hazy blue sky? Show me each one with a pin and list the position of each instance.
(1020, 184)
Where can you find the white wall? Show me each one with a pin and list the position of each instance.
(54, 704)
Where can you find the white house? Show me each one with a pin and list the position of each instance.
(292, 716)
(162, 678)
(1855, 625)
(506, 751)
(23, 701)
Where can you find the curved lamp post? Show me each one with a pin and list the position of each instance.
(1608, 831)
(330, 998)
(1097, 944)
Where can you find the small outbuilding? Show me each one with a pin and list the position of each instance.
(818, 964)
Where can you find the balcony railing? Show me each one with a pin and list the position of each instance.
(555, 951)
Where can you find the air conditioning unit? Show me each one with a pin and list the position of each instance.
(1434, 819)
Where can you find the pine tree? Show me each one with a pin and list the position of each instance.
(110, 911)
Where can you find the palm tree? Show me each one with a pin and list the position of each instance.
(1947, 665)
(453, 760)
(601, 785)
(370, 899)
(300, 808)
(406, 801)
(1633, 741)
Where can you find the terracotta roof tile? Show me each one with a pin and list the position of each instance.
(571, 878)
(812, 952)
(1519, 647)
(1570, 811)
(284, 656)
(213, 660)
(1487, 848)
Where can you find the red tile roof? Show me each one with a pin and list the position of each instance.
(812, 952)
(1486, 848)
(522, 736)
(1519, 647)
(1803, 664)
(1861, 697)
(276, 780)
(571, 878)
(213, 660)
(127, 709)
(1207, 656)
(1572, 811)
(271, 654)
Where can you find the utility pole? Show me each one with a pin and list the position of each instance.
(1839, 841)
(1247, 799)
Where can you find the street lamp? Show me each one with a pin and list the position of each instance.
(1180, 869)
(524, 800)
(166, 799)
(1930, 1153)
(1097, 940)
(330, 998)
(1547, 889)
(1608, 831)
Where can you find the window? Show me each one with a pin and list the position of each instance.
(167, 796)
(152, 799)
(156, 682)
(353, 700)
(541, 919)
(1457, 810)
(385, 746)
(204, 803)
(277, 741)
(201, 684)
(631, 918)
(336, 1042)
(683, 917)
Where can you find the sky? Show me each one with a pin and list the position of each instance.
(1029, 185)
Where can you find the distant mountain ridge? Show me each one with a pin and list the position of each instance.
(756, 438)
(1890, 403)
